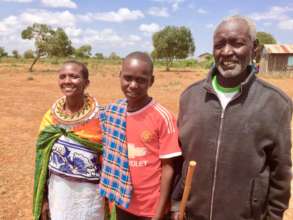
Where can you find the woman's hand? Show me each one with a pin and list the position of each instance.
(45, 210)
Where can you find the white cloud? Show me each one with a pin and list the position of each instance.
(234, 11)
(209, 26)
(7, 25)
(106, 38)
(149, 28)
(157, 11)
(59, 3)
(12, 26)
(60, 19)
(123, 14)
(96, 37)
(201, 11)
(175, 4)
(18, 1)
(267, 24)
(73, 32)
(275, 13)
(286, 25)
(134, 38)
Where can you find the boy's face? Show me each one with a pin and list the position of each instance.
(136, 78)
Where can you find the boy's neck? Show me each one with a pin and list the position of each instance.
(135, 106)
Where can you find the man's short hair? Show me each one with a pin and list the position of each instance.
(250, 23)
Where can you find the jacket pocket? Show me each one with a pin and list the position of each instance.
(259, 195)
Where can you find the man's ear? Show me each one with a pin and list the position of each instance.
(254, 49)
(152, 80)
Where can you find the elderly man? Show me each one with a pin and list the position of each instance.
(237, 128)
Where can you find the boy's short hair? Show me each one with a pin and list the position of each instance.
(141, 56)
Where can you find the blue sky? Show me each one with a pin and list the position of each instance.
(123, 26)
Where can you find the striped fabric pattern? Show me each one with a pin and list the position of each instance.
(167, 117)
(115, 182)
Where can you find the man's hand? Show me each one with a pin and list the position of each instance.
(174, 215)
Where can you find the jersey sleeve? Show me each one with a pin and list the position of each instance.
(168, 135)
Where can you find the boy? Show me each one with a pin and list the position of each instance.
(151, 142)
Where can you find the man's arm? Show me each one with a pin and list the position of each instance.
(166, 181)
(280, 168)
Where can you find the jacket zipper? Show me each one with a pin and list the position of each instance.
(216, 164)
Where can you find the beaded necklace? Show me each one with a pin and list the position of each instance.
(68, 119)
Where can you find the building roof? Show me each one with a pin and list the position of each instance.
(205, 54)
(278, 48)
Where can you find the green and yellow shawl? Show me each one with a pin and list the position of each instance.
(84, 128)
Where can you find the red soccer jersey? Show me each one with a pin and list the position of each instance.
(152, 135)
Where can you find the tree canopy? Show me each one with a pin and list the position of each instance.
(48, 42)
(59, 44)
(263, 38)
(28, 54)
(15, 54)
(83, 52)
(173, 43)
(114, 56)
(3, 53)
(99, 56)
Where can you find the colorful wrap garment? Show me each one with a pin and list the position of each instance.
(115, 182)
(85, 127)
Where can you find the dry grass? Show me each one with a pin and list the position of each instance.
(23, 103)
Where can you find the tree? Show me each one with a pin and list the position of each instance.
(59, 44)
(83, 52)
(42, 35)
(113, 56)
(99, 56)
(263, 38)
(15, 54)
(3, 53)
(173, 43)
(154, 55)
(28, 54)
(48, 42)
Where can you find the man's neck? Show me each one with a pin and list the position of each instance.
(135, 106)
(233, 81)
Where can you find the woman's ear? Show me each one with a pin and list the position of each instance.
(87, 83)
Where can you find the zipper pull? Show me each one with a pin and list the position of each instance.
(222, 114)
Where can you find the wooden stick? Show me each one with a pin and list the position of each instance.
(187, 187)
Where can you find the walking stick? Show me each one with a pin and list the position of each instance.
(187, 187)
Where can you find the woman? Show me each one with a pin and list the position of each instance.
(68, 150)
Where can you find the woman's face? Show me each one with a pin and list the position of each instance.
(71, 81)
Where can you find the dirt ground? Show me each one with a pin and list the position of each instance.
(25, 97)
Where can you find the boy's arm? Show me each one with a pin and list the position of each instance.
(166, 181)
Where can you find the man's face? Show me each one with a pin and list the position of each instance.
(71, 80)
(233, 48)
(135, 78)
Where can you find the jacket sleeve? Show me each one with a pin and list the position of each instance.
(178, 183)
(280, 168)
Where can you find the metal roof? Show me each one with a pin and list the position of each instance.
(278, 48)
